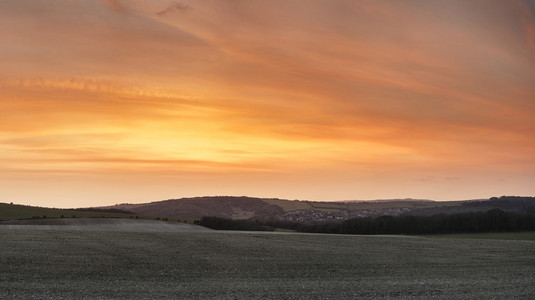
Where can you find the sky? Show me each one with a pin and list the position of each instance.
(105, 102)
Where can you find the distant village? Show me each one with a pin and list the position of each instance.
(318, 216)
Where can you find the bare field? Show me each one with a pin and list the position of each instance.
(94, 264)
(14, 212)
(522, 235)
(102, 224)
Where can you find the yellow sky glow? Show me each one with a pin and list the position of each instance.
(104, 102)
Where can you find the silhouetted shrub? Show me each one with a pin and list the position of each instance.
(229, 224)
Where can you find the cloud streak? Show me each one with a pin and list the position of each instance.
(176, 7)
(335, 92)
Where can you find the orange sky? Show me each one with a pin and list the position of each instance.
(103, 102)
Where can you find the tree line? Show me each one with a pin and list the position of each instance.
(494, 220)
(230, 224)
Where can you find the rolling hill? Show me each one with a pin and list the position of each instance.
(22, 212)
(315, 211)
(189, 209)
(225, 207)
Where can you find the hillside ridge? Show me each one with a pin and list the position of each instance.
(242, 207)
(271, 209)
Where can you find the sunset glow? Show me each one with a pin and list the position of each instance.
(104, 102)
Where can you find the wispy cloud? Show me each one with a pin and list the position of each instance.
(353, 90)
(114, 5)
(176, 7)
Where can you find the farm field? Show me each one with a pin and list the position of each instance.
(522, 235)
(52, 264)
(102, 224)
(14, 211)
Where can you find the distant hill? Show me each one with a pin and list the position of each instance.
(315, 211)
(198, 207)
(505, 203)
(189, 209)
(392, 200)
(21, 212)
